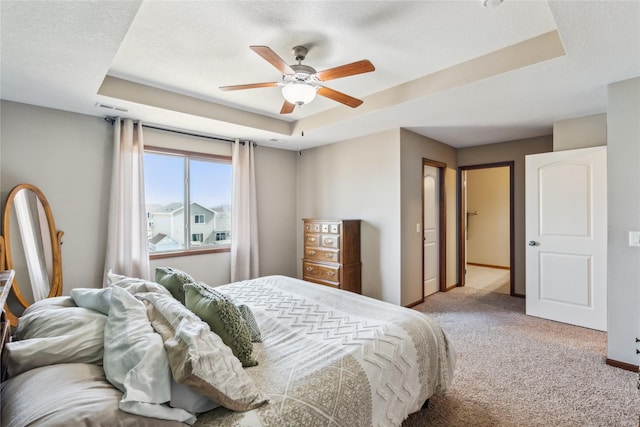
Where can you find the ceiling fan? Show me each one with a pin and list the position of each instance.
(300, 83)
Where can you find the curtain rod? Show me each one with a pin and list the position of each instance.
(111, 120)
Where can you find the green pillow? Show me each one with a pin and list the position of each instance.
(223, 317)
(174, 280)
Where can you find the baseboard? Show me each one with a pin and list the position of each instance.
(501, 267)
(622, 365)
(413, 304)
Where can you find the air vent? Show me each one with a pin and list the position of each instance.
(111, 107)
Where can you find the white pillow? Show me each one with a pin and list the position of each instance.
(135, 361)
(47, 303)
(95, 299)
(199, 358)
(53, 334)
(183, 397)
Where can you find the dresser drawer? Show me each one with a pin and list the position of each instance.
(330, 241)
(312, 227)
(326, 255)
(322, 272)
(312, 239)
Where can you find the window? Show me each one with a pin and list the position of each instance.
(180, 185)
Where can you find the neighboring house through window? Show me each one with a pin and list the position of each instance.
(200, 184)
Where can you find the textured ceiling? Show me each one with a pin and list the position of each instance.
(454, 71)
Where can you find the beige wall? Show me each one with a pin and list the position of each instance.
(623, 193)
(511, 151)
(488, 240)
(68, 156)
(413, 149)
(581, 132)
(358, 179)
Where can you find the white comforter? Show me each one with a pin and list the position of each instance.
(337, 358)
(327, 357)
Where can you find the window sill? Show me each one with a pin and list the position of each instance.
(175, 254)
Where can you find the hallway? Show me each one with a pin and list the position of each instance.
(488, 279)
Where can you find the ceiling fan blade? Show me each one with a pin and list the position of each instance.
(287, 107)
(358, 67)
(339, 96)
(249, 86)
(273, 59)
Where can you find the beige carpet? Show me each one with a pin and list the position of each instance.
(517, 370)
(488, 278)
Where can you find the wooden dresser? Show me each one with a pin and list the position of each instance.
(332, 253)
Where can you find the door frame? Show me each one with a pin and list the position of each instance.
(462, 228)
(442, 224)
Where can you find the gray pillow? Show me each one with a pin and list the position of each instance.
(250, 320)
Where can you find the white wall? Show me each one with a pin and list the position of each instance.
(358, 179)
(488, 238)
(68, 156)
(413, 149)
(623, 192)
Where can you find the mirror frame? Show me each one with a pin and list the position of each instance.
(56, 241)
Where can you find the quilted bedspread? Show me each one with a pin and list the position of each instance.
(334, 358)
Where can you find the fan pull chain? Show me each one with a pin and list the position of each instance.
(300, 122)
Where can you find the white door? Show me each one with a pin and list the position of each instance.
(431, 221)
(566, 232)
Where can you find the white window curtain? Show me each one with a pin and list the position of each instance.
(127, 251)
(244, 218)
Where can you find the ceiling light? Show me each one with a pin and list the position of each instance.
(298, 93)
(491, 3)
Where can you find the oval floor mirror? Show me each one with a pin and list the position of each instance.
(32, 249)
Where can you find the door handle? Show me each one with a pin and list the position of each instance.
(533, 243)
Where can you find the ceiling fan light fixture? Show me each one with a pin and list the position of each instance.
(298, 93)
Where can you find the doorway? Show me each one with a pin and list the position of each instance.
(486, 227)
(433, 227)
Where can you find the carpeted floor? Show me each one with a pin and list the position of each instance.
(518, 370)
(488, 278)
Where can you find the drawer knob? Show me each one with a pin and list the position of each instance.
(312, 253)
(329, 255)
(328, 241)
(331, 273)
(309, 269)
(311, 239)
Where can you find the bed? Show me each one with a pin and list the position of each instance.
(136, 354)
